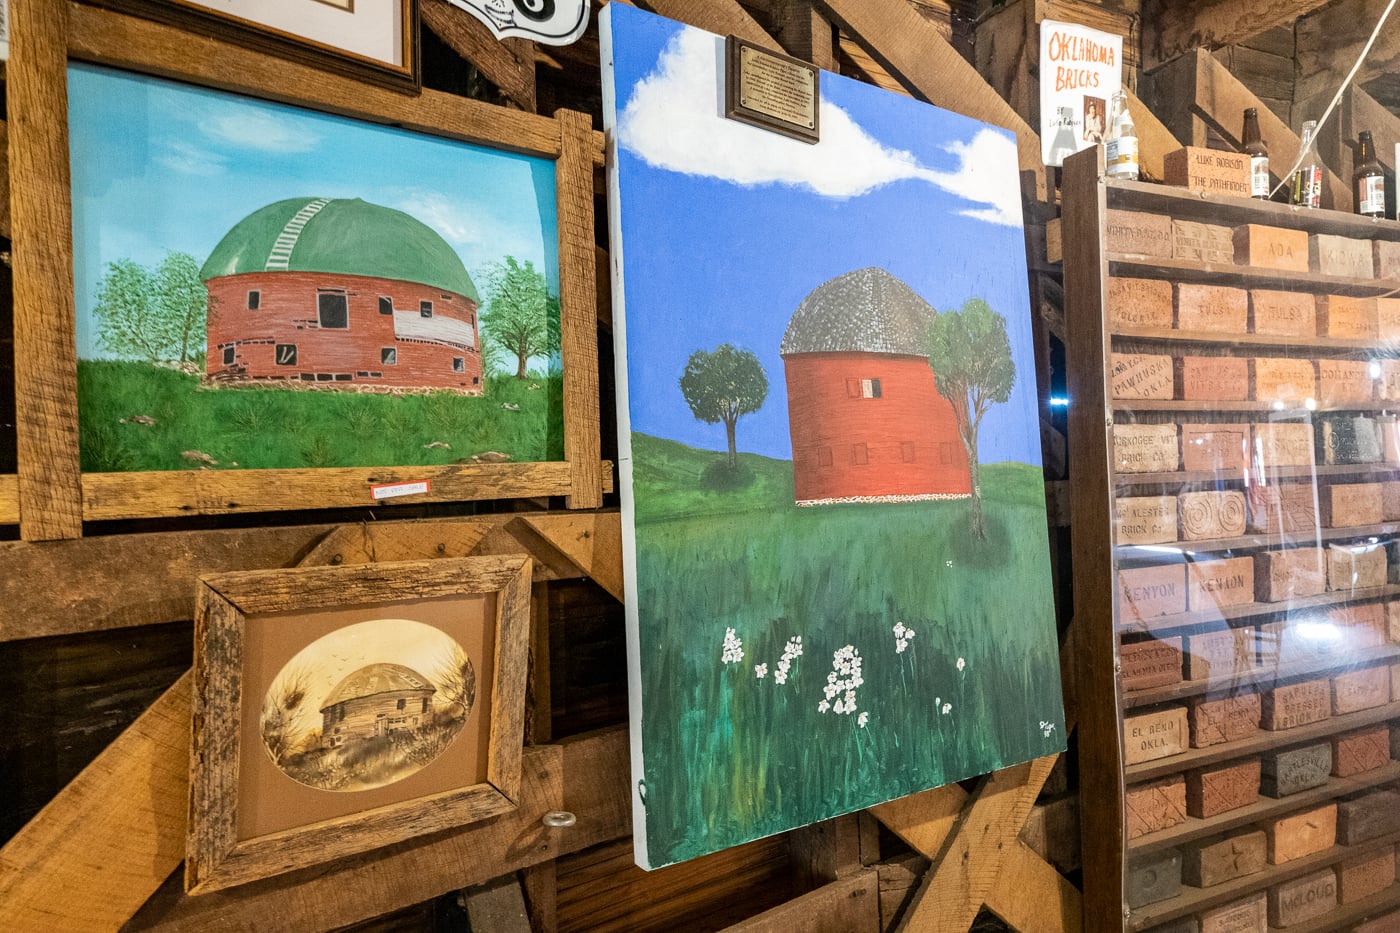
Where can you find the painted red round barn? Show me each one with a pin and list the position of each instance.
(866, 419)
(332, 293)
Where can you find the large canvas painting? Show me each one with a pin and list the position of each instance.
(838, 586)
(259, 286)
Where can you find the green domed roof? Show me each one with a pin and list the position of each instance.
(865, 311)
(347, 236)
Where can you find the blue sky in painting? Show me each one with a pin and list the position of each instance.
(159, 167)
(723, 235)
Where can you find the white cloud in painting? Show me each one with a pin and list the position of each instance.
(672, 122)
(251, 128)
(450, 218)
(177, 155)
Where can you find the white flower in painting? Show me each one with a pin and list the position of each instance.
(823, 706)
(862, 719)
(902, 635)
(947, 708)
(844, 679)
(760, 671)
(936, 701)
(733, 649)
(961, 664)
(780, 676)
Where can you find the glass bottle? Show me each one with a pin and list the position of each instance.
(1368, 181)
(1121, 147)
(1307, 181)
(1253, 146)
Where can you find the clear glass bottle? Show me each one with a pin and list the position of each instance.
(1368, 181)
(1253, 146)
(1307, 180)
(1121, 147)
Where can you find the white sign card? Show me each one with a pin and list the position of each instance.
(1080, 71)
(4, 30)
(548, 22)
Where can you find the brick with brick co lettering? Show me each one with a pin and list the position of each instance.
(1157, 734)
(1146, 519)
(1345, 505)
(1226, 719)
(1291, 770)
(1215, 447)
(1155, 805)
(1213, 791)
(1218, 859)
(1212, 308)
(1247, 915)
(1355, 566)
(1145, 448)
(1271, 248)
(1364, 688)
(1283, 314)
(1221, 654)
(1142, 233)
(1294, 705)
(1152, 663)
(1291, 574)
(1345, 317)
(1212, 378)
(1366, 816)
(1303, 898)
(1142, 376)
(1301, 834)
(1204, 243)
(1280, 379)
(1139, 303)
(1359, 878)
(1360, 751)
(1341, 255)
(1214, 584)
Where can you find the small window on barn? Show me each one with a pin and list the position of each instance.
(402, 701)
(386, 305)
(870, 388)
(459, 364)
(425, 705)
(945, 452)
(476, 380)
(823, 456)
(906, 451)
(389, 356)
(285, 354)
(425, 308)
(859, 454)
(228, 355)
(333, 310)
(254, 299)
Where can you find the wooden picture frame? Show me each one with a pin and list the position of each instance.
(242, 629)
(308, 42)
(52, 497)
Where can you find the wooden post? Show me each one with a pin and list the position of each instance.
(804, 32)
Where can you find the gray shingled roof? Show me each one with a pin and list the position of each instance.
(865, 311)
(378, 678)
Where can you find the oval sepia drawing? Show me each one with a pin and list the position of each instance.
(367, 705)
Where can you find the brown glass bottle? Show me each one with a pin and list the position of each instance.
(1368, 181)
(1253, 146)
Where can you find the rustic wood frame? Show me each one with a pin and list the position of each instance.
(51, 497)
(296, 46)
(216, 858)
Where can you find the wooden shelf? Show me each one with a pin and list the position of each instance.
(1194, 900)
(1264, 808)
(1259, 677)
(1260, 741)
(1185, 620)
(1316, 538)
(1210, 406)
(1222, 477)
(1172, 335)
(1182, 270)
(1349, 916)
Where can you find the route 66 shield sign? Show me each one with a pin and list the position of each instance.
(549, 22)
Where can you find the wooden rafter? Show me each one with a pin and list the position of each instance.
(509, 64)
(1328, 44)
(1173, 28)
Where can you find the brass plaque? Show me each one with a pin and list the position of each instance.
(772, 91)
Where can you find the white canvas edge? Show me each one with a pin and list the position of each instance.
(624, 445)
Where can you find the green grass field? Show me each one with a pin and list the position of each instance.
(265, 428)
(731, 756)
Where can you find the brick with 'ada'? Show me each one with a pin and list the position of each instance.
(1158, 734)
(1283, 443)
(1209, 171)
(1303, 898)
(1227, 719)
(1345, 505)
(1359, 878)
(1216, 308)
(1271, 248)
(1355, 566)
(1292, 770)
(1301, 834)
(1366, 816)
(1279, 379)
(1214, 513)
(1212, 791)
(1155, 806)
(1212, 378)
(1153, 663)
(1145, 448)
(1296, 705)
(1139, 303)
(1342, 255)
(1146, 519)
(1290, 574)
(1350, 318)
(1219, 859)
(1247, 915)
(1216, 583)
(1203, 243)
(1140, 233)
(1283, 314)
(1359, 752)
(1221, 654)
(1142, 376)
(1149, 592)
(1364, 688)
(1215, 447)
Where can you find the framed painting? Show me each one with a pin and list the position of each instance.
(842, 427)
(362, 299)
(340, 709)
(375, 40)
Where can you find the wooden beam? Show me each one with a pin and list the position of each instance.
(498, 906)
(1033, 897)
(509, 64)
(9, 499)
(93, 856)
(1154, 139)
(850, 905)
(1329, 41)
(46, 362)
(4, 180)
(804, 32)
(1171, 28)
(871, 70)
(724, 17)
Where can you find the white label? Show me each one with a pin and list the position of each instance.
(1080, 71)
(1259, 176)
(1371, 197)
(394, 490)
(1121, 155)
(4, 30)
(550, 22)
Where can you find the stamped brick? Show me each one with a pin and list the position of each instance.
(1153, 663)
(1212, 791)
(1362, 625)
(1366, 816)
(1218, 859)
(1146, 519)
(1283, 314)
(1392, 621)
(1280, 379)
(1213, 308)
(1215, 447)
(1210, 171)
(1283, 443)
(1291, 770)
(1221, 654)
(1349, 440)
(1386, 254)
(1152, 877)
(1290, 574)
(1217, 583)
(1386, 923)
(1343, 381)
(1155, 805)
(1209, 244)
(1145, 448)
(1287, 508)
(1212, 378)
(1294, 705)
(1141, 233)
(1139, 303)
(1354, 566)
(1150, 592)
(1301, 834)
(1302, 899)
(1346, 505)
(1390, 500)
(1359, 878)
(1142, 376)
(1214, 513)
(1271, 248)
(1388, 317)
(1361, 751)
(1365, 688)
(1388, 426)
(1226, 719)
(1350, 318)
(1341, 255)
(1149, 736)
(1247, 915)
(1389, 385)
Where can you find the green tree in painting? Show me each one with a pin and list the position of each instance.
(156, 314)
(722, 385)
(972, 367)
(517, 314)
